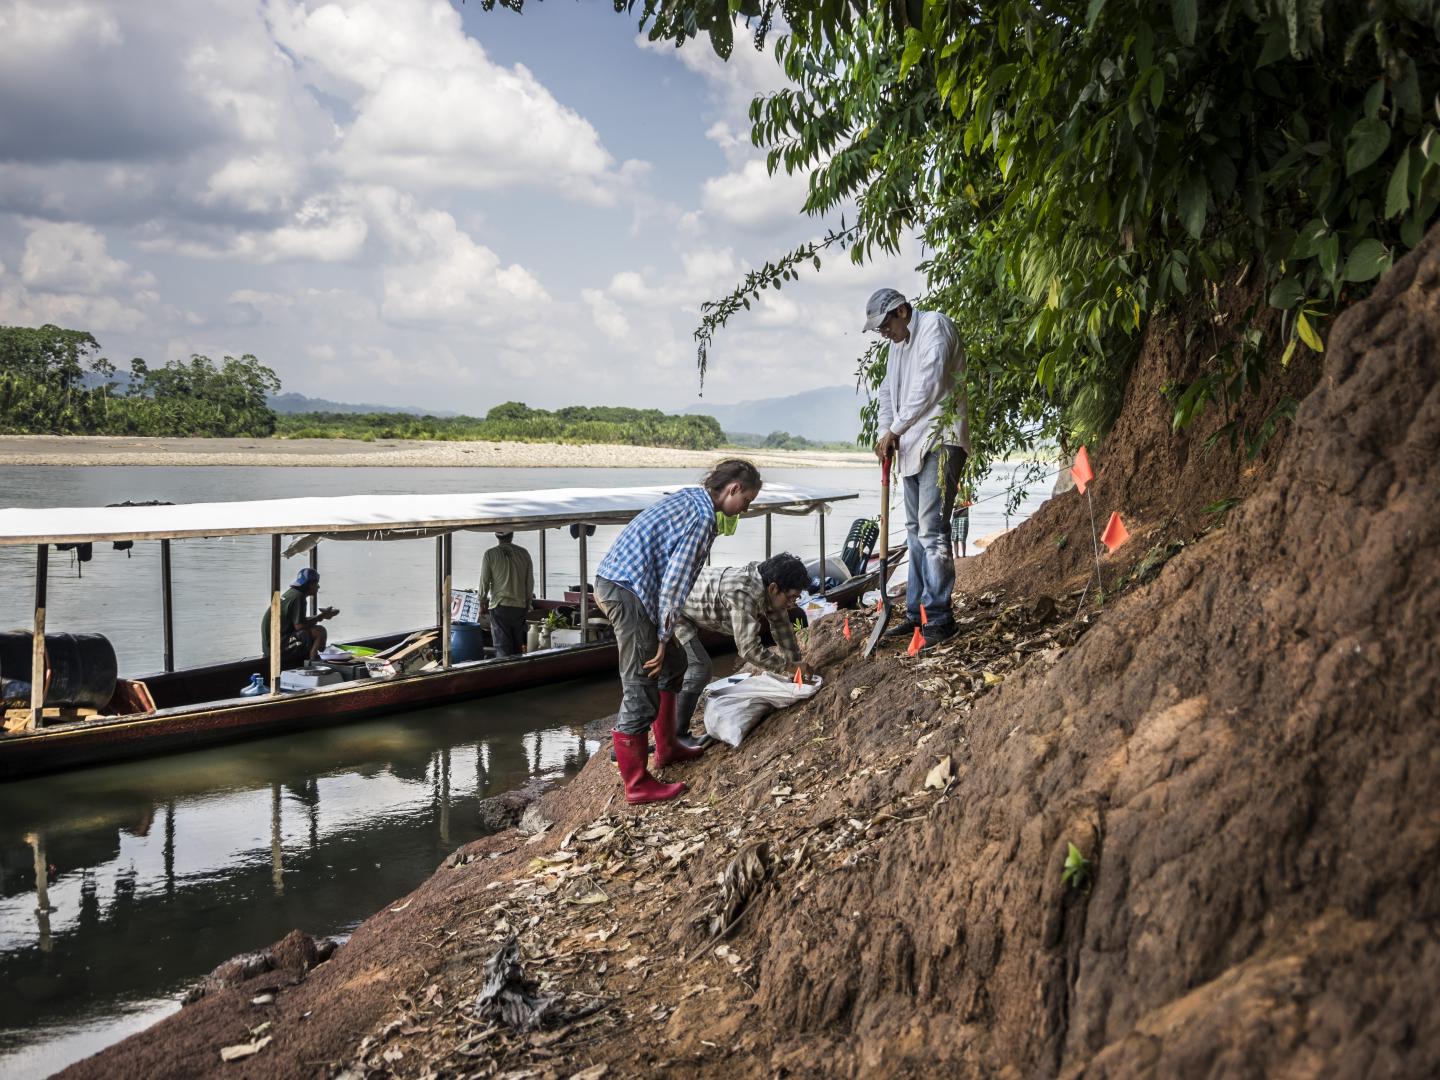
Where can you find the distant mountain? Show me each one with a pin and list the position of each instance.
(288, 402)
(831, 414)
(298, 403)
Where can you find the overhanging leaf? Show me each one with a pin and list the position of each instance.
(1286, 294)
(1397, 195)
(1186, 19)
(1364, 145)
(1366, 260)
(1194, 192)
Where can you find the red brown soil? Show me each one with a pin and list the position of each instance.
(1245, 749)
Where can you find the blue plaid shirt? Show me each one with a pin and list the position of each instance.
(660, 553)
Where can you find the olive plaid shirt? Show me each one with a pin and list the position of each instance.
(732, 600)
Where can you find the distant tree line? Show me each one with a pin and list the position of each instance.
(783, 440)
(55, 382)
(515, 421)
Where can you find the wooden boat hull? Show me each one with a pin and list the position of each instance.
(180, 728)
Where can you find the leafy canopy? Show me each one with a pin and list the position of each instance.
(1075, 169)
(52, 381)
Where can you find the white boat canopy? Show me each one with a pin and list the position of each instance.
(369, 517)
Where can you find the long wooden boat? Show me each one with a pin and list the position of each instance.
(177, 710)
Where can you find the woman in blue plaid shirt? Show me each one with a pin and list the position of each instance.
(642, 584)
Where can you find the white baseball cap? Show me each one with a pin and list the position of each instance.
(882, 303)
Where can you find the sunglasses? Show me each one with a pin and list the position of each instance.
(885, 322)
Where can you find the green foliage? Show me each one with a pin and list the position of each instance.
(44, 372)
(1220, 507)
(516, 422)
(1078, 871)
(1076, 170)
(1153, 561)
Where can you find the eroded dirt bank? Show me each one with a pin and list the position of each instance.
(1244, 744)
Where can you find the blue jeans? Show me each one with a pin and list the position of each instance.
(929, 500)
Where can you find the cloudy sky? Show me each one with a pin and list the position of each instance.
(405, 201)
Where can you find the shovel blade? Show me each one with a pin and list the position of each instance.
(882, 620)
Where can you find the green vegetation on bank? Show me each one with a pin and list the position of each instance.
(1241, 169)
(55, 382)
(782, 440)
(516, 422)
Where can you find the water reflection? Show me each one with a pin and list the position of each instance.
(120, 886)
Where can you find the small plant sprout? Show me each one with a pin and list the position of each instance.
(1077, 870)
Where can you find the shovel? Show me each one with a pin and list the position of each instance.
(882, 617)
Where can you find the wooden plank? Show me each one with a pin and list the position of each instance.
(584, 592)
(275, 614)
(443, 601)
(37, 642)
(167, 605)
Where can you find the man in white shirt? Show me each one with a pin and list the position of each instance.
(923, 421)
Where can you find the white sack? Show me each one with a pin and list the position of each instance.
(736, 704)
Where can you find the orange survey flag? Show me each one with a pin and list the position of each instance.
(1081, 471)
(847, 627)
(917, 642)
(799, 679)
(924, 619)
(1115, 532)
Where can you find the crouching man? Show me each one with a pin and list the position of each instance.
(734, 600)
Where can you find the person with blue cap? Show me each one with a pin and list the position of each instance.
(923, 423)
(301, 635)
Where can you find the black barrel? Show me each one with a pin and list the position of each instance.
(15, 668)
(80, 669)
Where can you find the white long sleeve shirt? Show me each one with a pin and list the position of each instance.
(920, 374)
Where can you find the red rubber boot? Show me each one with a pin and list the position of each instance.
(640, 786)
(667, 749)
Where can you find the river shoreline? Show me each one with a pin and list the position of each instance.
(73, 450)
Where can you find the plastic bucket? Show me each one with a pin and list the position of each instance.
(467, 642)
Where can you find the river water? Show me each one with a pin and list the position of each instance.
(157, 871)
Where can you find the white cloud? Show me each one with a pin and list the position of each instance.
(735, 82)
(442, 273)
(69, 257)
(21, 307)
(750, 198)
(432, 109)
(326, 229)
(260, 183)
(30, 31)
(609, 319)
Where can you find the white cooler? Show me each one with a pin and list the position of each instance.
(309, 678)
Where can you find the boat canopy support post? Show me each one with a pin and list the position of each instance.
(824, 578)
(769, 522)
(542, 564)
(37, 643)
(43, 907)
(584, 587)
(442, 596)
(275, 614)
(167, 605)
(313, 603)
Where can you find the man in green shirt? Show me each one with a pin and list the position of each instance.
(507, 584)
(301, 636)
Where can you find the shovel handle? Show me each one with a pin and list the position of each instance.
(884, 523)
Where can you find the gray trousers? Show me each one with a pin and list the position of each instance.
(698, 667)
(507, 630)
(636, 639)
